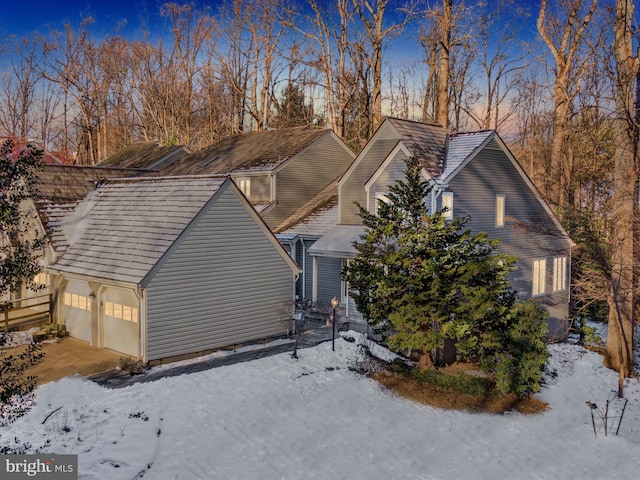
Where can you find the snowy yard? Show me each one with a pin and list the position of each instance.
(313, 418)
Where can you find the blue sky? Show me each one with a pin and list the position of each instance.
(20, 17)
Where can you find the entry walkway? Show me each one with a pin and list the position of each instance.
(117, 378)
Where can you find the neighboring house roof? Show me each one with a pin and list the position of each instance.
(427, 142)
(147, 155)
(315, 217)
(126, 226)
(462, 146)
(47, 157)
(61, 187)
(338, 242)
(251, 151)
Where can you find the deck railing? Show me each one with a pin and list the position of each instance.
(17, 316)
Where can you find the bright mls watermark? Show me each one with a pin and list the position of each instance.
(50, 467)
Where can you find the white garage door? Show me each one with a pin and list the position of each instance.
(121, 322)
(77, 310)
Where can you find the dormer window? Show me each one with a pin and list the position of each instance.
(244, 184)
(447, 202)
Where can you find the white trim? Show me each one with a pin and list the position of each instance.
(500, 210)
(559, 274)
(519, 169)
(448, 215)
(539, 277)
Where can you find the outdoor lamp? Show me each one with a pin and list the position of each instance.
(334, 304)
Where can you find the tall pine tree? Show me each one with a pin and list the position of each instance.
(420, 278)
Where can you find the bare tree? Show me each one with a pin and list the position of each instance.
(622, 295)
(18, 90)
(563, 33)
(372, 15)
(328, 29)
(448, 55)
(499, 62)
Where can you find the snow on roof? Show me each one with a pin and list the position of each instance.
(316, 216)
(461, 146)
(124, 227)
(61, 187)
(338, 242)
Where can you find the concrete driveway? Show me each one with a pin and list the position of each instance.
(69, 356)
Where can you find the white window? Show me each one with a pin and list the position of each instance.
(77, 301)
(539, 270)
(447, 202)
(499, 210)
(42, 279)
(380, 197)
(244, 184)
(559, 273)
(121, 311)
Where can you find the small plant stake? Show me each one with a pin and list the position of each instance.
(604, 416)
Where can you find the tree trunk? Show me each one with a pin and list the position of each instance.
(619, 355)
(425, 362)
(442, 115)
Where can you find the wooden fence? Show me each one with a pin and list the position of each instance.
(29, 313)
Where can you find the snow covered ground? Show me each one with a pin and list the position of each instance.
(313, 418)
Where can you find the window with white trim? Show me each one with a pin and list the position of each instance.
(244, 184)
(447, 202)
(121, 311)
(559, 273)
(500, 210)
(42, 279)
(77, 301)
(539, 272)
(380, 197)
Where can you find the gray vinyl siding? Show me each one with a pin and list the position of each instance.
(307, 174)
(308, 273)
(475, 188)
(352, 190)
(260, 187)
(329, 282)
(224, 284)
(392, 173)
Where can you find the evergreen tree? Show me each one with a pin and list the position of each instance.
(19, 264)
(420, 278)
(19, 248)
(292, 109)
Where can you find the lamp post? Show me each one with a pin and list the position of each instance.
(334, 304)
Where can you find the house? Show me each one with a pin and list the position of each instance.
(146, 155)
(59, 188)
(473, 174)
(277, 170)
(161, 267)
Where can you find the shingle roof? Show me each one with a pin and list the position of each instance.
(148, 155)
(124, 227)
(461, 145)
(247, 151)
(316, 216)
(427, 142)
(61, 187)
(69, 183)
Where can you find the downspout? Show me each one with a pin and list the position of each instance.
(142, 322)
(304, 269)
(314, 293)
